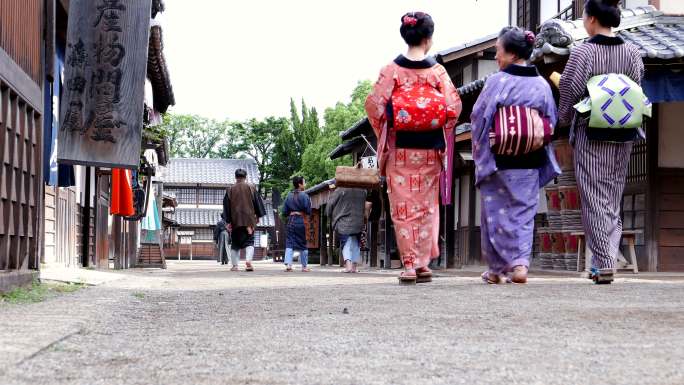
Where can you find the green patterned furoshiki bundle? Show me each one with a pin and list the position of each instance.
(615, 101)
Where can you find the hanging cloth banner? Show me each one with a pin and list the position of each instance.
(104, 83)
(151, 220)
(122, 193)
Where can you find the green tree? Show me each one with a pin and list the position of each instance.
(316, 163)
(256, 139)
(192, 136)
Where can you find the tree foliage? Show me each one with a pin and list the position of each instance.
(316, 163)
(281, 147)
(192, 136)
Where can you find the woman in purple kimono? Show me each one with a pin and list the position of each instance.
(509, 185)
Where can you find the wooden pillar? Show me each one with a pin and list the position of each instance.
(132, 243)
(578, 9)
(450, 221)
(470, 258)
(331, 246)
(116, 238)
(653, 191)
(323, 239)
(373, 233)
(389, 234)
(85, 221)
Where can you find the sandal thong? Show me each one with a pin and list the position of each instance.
(489, 278)
(406, 278)
(601, 276)
(423, 275)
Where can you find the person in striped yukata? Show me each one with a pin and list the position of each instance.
(601, 156)
(509, 185)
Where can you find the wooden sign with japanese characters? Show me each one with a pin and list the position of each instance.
(104, 81)
(311, 225)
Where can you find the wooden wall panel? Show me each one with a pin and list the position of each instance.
(671, 259)
(672, 220)
(21, 185)
(20, 34)
(671, 238)
(50, 226)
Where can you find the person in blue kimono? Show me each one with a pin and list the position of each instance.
(297, 205)
(509, 186)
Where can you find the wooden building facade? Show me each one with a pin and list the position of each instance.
(22, 44)
(79, 230)
(198, 186)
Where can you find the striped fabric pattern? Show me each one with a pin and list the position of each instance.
(600, 166)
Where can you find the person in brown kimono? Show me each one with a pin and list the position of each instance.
(241, 211)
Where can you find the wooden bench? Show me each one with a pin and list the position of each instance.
(622, 263)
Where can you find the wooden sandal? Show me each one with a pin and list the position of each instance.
(602, 276)
(423, 275)
(491, 279)
(407, 278)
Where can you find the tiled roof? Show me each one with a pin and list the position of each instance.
(347, 147)
(158, 72)
(466, 49)
(362, 127)
(323, 186)
(216, 172)
(200, 217)
(658, 36)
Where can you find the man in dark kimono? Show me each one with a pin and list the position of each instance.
(242, 208)
(222, 239)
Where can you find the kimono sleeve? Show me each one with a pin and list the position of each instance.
(286, 206)
(573, 85)
(306, 205)
(330, 206)
(453, 100)
(484, 108)
(376, 102)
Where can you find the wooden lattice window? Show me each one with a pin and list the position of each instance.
(634, 214)
(211, 196)
(637, 164)
(186, 196)
(528, 14)
(203, 235)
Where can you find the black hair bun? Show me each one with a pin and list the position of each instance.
(517, 41)
(415, 27)
(606, 12)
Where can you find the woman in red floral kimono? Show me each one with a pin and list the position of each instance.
(413, 109)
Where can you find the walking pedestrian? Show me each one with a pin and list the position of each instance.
(512, 122)
(222, 239)
(346, 207)
(296, 206)
(413, 108)
(242, 208)
(601, 155)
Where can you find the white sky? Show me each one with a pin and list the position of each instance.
(242, 59)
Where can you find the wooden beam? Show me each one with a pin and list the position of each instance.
(652, 195)
(20, 82)
(323, 244)
(465, 136)
(374, 231)
(50, 33)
